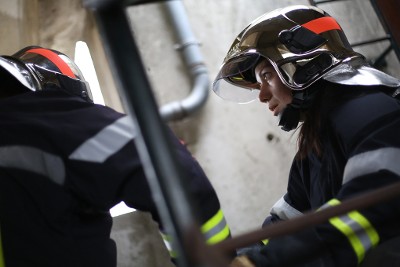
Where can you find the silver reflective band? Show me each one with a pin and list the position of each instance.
(106, 142)
(216, 229)
(284, 211)
(33, 160)
(371, 162)
(359, 231)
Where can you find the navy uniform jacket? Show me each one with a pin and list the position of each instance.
(361, 152)
(63, 164)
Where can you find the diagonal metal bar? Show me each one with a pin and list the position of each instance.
(311, 219)
(163, 172)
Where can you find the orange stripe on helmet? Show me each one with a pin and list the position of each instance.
(323, 24)
(53, 57)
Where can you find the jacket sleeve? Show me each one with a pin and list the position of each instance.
(304, 248)
(205, 200)
(105, 169)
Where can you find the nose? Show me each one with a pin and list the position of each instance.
(265, 94)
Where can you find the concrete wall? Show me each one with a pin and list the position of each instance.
(240, 147)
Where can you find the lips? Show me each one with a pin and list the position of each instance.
(274, 110)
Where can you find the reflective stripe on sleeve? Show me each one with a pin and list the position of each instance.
(215, 229)
(34, 160)
(284, 211)
(106, 142)
(2, 264)
(168, 244)
(358, 230)
(372, 161)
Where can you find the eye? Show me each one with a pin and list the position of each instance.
(266, 75)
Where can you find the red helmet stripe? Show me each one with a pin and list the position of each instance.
(323, 24)
(55, 59)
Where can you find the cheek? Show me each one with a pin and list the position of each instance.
(287, 96)
(283, 93)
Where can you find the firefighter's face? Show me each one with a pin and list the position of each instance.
(272, 90)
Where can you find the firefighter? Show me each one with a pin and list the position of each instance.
(298, 61)
(65, 161)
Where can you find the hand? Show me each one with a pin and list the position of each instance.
(241, 261)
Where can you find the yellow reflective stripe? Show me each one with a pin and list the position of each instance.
(351, 236)
(211, 223)
(357, 239)
(222, 235)
(2, 264)
(265, 241)
(173, 254)
(369, 229)
(167, 242)
(215, 229)
(334, 202)
(165, 237)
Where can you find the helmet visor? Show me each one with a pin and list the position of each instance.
(236, 80)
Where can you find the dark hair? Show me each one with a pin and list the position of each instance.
(308, 139)
(315, 118)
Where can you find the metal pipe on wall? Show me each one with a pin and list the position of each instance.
(193, 59)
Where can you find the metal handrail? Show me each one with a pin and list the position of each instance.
(311, 218)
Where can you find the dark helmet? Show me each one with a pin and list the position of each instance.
(36, 68)
(303, 44)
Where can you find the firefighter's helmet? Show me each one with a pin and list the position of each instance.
(36, 68)
(303, 44)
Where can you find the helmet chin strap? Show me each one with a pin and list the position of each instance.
(289, 118)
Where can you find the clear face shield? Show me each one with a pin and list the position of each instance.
(236, 80)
